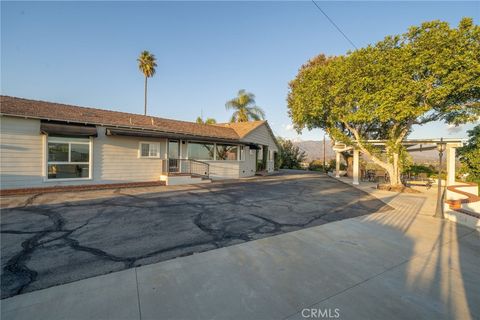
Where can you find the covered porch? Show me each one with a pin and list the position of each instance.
(189, 158)
(461, 197)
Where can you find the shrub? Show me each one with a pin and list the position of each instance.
(416, 169)
(316, 165)
(332, 165)
(290, 156)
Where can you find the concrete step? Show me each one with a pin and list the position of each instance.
(183, 179)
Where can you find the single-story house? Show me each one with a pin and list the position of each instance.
(45, 144)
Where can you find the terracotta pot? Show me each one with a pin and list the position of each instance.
(455, 204)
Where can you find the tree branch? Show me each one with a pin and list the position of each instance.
(358, 139)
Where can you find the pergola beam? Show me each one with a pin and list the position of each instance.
(421, 148)
(417, 141)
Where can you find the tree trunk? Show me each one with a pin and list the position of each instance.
(395, 172)
(393, 168)
(146, 95)
(349, 161)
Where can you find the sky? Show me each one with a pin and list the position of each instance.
(84, 53)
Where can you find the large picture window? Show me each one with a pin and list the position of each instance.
(68, 158)
(201, 151)
(227, 152)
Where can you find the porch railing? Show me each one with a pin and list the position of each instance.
(186, 166)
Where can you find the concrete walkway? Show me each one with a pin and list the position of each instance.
(401, 264)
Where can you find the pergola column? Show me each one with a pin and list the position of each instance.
(356, 165)
(450, 165)
(337, 164)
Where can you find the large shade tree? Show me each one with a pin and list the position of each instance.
(147, 64)
(245, 108)
(430, 73)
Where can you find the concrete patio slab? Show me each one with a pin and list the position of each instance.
(193, 287)
(112, 296)
(417, 289)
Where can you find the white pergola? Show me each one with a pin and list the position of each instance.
(450, 144)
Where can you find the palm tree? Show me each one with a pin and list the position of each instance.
(147, 64)
(245, 108)
(208, 121)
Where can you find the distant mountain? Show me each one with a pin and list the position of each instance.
(314, 151)
(425, 156)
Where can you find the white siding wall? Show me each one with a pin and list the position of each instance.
(247, 166)
(224, 169)
(21, 153)
(262, 136)
(115, 159)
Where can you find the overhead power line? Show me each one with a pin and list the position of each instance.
(334, 24)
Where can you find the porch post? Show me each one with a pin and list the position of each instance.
(165, 156)
(356, 165)
(450, 165)
(337, 164)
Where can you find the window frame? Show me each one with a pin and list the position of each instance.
(149, 156)
(69, 141)
(202, 142)
(240, 153)
(228, 145)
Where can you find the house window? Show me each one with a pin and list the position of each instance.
(242, 153)
(201, 151)
(227, 152)
(68, 158)
(149, 150)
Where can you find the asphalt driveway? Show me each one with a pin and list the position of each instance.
(46, 244)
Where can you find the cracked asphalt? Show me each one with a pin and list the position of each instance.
(53, 239)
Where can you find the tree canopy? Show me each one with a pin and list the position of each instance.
(245, 108)
(147, 63)
(429, 73)
(207, 121)
(470, 154)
